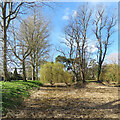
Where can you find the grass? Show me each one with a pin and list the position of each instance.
(13, 93)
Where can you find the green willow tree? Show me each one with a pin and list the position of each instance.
(54, 73)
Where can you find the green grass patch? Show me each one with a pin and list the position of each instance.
(13, 93)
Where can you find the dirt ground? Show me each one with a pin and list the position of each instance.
(93, 101)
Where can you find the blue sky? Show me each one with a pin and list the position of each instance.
(60, 16)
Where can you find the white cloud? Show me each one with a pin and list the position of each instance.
(67, 13)
(65, 17)
(92, 45)
(93, 48)
(74, 13)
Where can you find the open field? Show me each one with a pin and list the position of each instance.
(93, 101)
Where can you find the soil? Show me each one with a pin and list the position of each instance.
(91, 101)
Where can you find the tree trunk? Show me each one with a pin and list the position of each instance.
(75, 77)
(51, 81)
(98, 73)
(33, 72)
(4, 46)
(83, 76)
(99, 63)
(36, 72)
(24, 72)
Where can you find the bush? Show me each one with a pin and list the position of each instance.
(67, 77)
(110, 73)
(54, 73)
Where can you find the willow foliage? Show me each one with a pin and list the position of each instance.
(54, 73)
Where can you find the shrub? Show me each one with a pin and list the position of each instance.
(110, 73)
(54, 73)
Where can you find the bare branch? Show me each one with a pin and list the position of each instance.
(15, 11)
(1, 25)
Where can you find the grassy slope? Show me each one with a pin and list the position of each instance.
(13, 93)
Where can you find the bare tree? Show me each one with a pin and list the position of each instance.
(22, 47)
(76, 37)
(9, 11)
(84, 16)
(104, 28)
(40, 43)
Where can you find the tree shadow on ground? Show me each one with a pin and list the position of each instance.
(109, 105)
(72, 108)
(32, 84)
